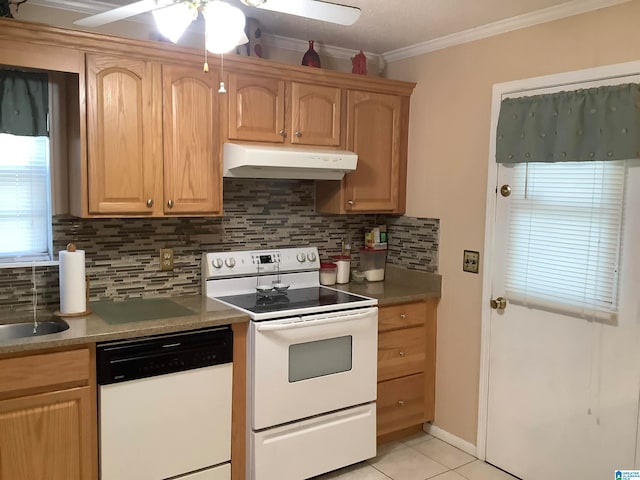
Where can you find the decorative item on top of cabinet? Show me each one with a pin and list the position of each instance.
(311, 57)
(406, 368)
(377, 130)
(258, 111)
(48, 416)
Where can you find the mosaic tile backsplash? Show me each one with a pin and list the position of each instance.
(122, 255)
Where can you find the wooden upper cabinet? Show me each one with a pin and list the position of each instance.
(374, 133)
(123, 177)
(256, 108)
(192, 168)
(315, 114)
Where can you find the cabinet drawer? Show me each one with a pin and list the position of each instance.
(401, 316)
(400, 404)
(401, 353)
(35, 372)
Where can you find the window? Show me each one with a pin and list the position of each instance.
(25, 211)
(564, 236)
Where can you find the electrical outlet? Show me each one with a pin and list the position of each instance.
(471, 261)
(166, 259)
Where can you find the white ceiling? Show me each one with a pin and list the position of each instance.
(386, 26)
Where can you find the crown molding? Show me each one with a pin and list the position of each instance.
(557, 12)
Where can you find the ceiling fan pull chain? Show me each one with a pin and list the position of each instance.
(222, 89)
(205, 67)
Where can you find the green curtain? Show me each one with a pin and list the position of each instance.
(600, 123)
(24, 103)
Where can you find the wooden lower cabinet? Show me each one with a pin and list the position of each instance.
(406, 367)
(400, 403)
(48, 416)
(47, 436)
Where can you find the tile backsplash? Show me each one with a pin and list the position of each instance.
(122, 255)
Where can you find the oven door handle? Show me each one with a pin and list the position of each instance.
(314, 321)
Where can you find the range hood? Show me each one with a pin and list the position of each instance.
(258, 161)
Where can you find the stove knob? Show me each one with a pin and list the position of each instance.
(230, 262)
(301, 257)
(311, 256)
(217, 263)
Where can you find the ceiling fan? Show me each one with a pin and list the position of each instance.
(314, 9)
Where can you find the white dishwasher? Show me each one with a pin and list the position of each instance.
(165, 406)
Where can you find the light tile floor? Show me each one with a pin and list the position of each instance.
(419, 457)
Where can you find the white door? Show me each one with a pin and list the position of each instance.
(563, 390)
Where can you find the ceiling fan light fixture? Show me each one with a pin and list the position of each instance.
(172, 21)
(253, 3)
(224, 27)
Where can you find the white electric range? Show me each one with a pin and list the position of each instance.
(312, 362)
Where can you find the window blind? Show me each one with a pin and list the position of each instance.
(564, 236)
(25, 217)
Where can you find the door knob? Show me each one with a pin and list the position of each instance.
(505, 190)
(499, 303)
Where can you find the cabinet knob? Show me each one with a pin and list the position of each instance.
(350, 203)
(170, 204)
(401, 402)
(403, 315)
(282, 133)
(402, 353)
(149, 202)
(298, 133)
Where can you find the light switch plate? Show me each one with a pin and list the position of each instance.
(471, 261)
(166, 259)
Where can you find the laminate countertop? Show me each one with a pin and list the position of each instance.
(399, 286)
(118, 321)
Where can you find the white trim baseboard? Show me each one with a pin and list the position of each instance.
(450, 438)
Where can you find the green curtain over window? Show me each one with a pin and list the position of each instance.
(600, 123)
(24, 103)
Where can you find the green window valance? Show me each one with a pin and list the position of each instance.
(600, 123)
(24, 103)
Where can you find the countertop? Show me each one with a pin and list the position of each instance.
(92, 328)
(399, 286)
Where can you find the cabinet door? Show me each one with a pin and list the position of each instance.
(192, 169)
(124, 176)
(256, 108)
(47, 437)
(373, 132)
(315, 113)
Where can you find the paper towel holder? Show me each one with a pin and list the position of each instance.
(71, 247)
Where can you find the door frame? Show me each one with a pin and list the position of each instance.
(500, 90)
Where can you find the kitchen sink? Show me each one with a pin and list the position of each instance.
(13, 331)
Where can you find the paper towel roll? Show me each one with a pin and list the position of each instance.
(72, 281)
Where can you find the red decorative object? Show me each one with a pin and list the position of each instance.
(359, 63)
(311, 57)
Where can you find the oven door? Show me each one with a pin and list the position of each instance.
(314, 364)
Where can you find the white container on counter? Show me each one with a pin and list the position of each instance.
(328, 273)
(343, 262)
(372, 263)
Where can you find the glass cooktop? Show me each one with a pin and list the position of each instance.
(294, 301)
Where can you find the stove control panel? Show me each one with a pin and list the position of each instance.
(257, 262)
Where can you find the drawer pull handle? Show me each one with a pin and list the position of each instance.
(403, 315)
(401, 353)
(401, 403)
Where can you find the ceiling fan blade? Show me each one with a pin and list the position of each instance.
(121, 13)
(315, 9)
